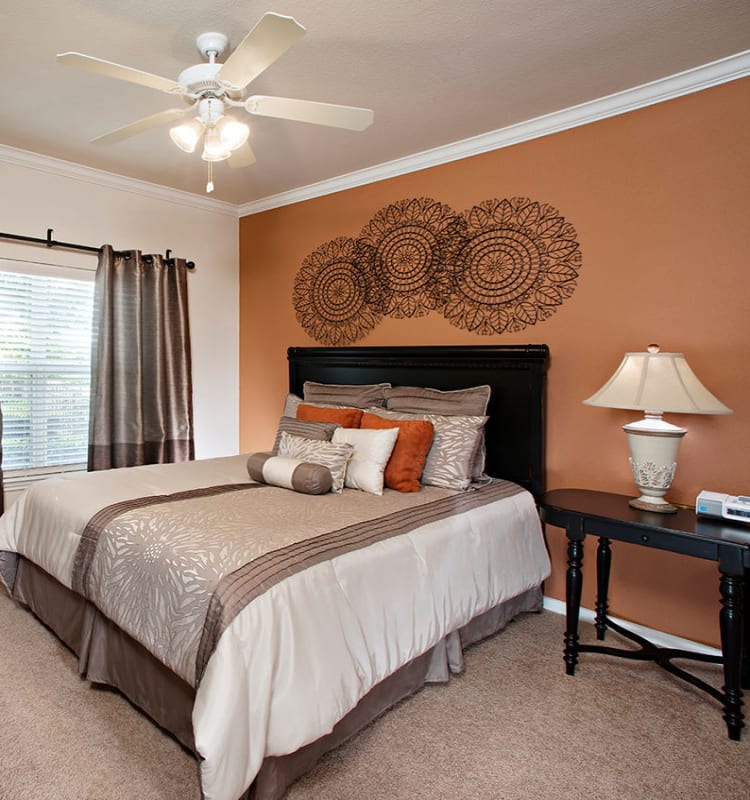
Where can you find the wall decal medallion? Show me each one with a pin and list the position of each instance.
(500, 266)
(519, 262)
(330, 293)
(413, 243)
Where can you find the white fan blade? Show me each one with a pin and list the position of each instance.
(242, 157)
(140, 126)
(271, 37)
(350, 117)
(112, 70)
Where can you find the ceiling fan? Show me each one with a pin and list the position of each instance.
(211, 88)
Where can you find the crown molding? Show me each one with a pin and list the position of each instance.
(79, 172)
(692, 80)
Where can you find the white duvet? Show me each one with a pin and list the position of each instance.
(302, 655)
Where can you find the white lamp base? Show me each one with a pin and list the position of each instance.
(653, 458)
(645, 503)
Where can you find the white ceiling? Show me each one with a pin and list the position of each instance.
(434, 71)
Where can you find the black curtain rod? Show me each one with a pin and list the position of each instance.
(50, 242)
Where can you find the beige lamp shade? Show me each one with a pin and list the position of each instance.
(657, 382)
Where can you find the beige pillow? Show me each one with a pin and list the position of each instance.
(289, 473)
(291, 402)
(330, 454)
(345, 394)
(372, 449)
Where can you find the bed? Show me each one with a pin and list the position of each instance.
(339, 605)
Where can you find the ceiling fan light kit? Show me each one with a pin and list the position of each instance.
(223, 134)
(212, 87)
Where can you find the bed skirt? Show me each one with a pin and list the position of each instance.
(107, 655)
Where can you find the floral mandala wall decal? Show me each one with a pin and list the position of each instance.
(413, 244)
(500, 266)
(519, 262)
(330, 293)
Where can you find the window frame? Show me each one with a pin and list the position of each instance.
(20, 478)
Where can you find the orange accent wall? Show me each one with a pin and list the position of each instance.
(659, 198)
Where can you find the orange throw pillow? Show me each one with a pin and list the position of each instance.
(346, 417)
(404, 469)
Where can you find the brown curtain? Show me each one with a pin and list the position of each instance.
(141, 383)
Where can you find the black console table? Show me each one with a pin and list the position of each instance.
(608, 516)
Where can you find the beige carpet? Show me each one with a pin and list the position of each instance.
(512, 727)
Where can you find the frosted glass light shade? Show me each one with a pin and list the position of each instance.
(186, 135)
(232, 132)
(213, 148)
(657, 382)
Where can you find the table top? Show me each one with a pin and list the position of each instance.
(559, 503)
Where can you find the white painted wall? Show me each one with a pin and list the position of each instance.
(87, 208)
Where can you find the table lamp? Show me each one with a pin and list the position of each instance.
(655, 382)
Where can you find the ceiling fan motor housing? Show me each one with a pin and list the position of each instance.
(201, 79)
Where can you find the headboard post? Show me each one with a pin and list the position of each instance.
(515, 432)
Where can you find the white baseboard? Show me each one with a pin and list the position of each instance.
(659, 638)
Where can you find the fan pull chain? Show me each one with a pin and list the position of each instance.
(210, 184)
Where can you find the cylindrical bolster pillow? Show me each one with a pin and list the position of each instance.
(289, 473)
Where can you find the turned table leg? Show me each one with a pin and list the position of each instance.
(731, 623)
(745, 679)
(603, 564)
(573, 584)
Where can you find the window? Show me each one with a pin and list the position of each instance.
(45, 356)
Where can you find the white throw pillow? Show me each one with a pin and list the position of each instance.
(372, 449)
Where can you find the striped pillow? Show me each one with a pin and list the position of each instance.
(345, 394)
(308, 429)
(471, 402)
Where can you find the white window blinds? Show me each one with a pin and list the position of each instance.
(45, 356)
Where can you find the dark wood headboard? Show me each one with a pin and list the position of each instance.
(516, 373)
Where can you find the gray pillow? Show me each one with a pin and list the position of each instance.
(471, 402)
(289, 473)
(346, 394)
(322, 431)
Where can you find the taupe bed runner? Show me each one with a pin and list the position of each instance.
(96, 525)
(173, 571)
